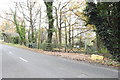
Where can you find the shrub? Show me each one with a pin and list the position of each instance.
(15, 40)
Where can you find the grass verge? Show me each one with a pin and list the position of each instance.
(73, 56)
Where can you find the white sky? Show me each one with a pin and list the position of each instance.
(5, 4)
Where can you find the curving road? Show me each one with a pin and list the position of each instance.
(21, 63)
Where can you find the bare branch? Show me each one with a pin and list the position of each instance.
(7, 19)
(80, 33)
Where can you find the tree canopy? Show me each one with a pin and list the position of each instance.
(105, 17)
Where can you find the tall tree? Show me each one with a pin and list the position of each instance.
(18, 22)
(105, 17)
(49, 7)
(30, 14)
(59, 13)
(38, 41)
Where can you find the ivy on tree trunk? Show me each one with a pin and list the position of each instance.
(51, 20)
(105, 17)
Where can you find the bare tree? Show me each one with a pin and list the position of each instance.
(30, 13)
(59, 14)
(50, 19)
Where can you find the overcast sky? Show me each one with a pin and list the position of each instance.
(5, 4)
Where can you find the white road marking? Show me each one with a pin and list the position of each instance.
(61, 79)
(82, 75)
(10, 52)
(23, 59)
(114, 70)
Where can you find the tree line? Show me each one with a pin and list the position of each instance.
(67, 25)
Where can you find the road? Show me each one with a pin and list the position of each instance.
(0, 62)
(21, 63)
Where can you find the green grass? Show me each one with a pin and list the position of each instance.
(11, 44)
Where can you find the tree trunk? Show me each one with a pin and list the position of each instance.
(65, 38)
(60, 30)
(56, 32)
(39, 42)
(31, 25)
(72, 36)
(51, 20)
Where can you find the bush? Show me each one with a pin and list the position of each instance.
(15, 40)
(50, 46)
(47, 46)
(32, 45)
(90, 50)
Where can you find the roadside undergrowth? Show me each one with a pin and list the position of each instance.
(73, 56)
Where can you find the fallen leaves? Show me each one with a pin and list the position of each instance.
(80, 57)
(76, 56)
